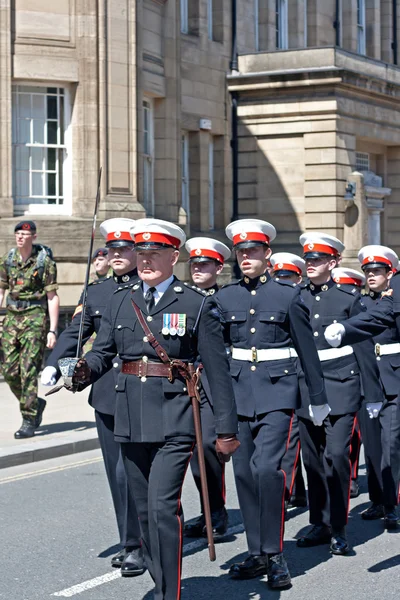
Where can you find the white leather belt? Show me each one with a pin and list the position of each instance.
(385, 349)
(330, 353)
(254, 355)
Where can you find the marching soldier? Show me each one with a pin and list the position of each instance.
(355, 279)
(122, 257)
(206, 259)
(290, 267)
(326, 450)
(380, 422)
(30, 274)
(267, 325)
(157, 327)
(100, 263)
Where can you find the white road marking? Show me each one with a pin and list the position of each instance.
(116, 574)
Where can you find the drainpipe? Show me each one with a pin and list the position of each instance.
(337, 24)
(235, 157)
(394, 43)
(234, 59)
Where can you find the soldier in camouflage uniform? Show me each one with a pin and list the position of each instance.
(30, 275)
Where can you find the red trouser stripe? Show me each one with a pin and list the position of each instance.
(284, 489)
(348, 495)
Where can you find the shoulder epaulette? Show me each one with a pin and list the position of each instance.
(98, 281)
(194, 288)
(347, 289)
(133, 285)
(285, 282)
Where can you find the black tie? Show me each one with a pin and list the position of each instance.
(149, 299)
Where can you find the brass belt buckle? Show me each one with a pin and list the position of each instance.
(377, 349)
(254, 355)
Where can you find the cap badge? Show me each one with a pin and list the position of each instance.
(337, 279)
(371, 258)
(243, 235)
(117, 234)
(147, 236)
(310, 246)
(197, 251)
(26, 226)
(280, 265)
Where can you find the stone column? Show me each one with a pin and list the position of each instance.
(349, 25)
(118, 108)
(373, 23)
(6, 200)
(386, 30)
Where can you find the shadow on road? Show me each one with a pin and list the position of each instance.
(67, 426)
(393, 561)
(110, 551)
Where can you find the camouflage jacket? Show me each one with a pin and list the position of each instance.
(23, 279)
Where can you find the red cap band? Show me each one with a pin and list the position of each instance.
(250, 236)
(319, 248)
(349, 280)
(115, 236)
(377, 259)
(207, 254)
(157, 238)
(287, 267)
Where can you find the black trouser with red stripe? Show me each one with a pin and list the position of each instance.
(156, 473)
(326, 457)
(291, 464)
(382, 452)
(215, 470)
(260, 481)
(355, 449)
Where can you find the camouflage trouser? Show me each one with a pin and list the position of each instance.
(23, 343)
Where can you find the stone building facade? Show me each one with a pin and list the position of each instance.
(143, 88)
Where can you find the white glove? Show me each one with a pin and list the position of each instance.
(319, 413)
(49, 376)
(373, 409)
(334, 334)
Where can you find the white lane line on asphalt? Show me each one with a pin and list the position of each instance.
(116, 574)
(23, 476)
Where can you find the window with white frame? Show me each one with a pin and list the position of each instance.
(184, 16)
(362, 161)
(281, 24)
(185, 174)
(361, 30)
(148, 157)
(41, 165)
(211, 200)
(210, 19)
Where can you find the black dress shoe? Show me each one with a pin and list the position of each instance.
(391, 519)
(27, 430)
(219, 520)
(39, 415)
(253, 566)
(354, 489)
(195, 529)
(318, 535)
(278, 572)
(297, 501)
(375, 511)
(339, 544)
(133, 564)
(118, 559)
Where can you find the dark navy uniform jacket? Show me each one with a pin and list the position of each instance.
(385, 313)
(102, 394)
(157, 409)
(347, 378)
(206, 391)
(265, 314)
(389, 365)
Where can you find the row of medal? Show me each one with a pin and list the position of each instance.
(174, 324)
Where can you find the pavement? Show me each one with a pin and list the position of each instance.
(68, 427)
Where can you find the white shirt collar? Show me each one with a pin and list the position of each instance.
(161, 288)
